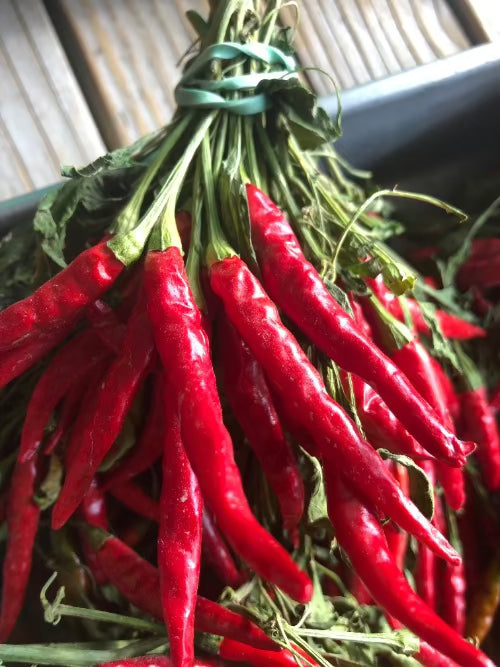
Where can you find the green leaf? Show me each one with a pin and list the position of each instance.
(316, 511)
(198, 23)
(422, 491)
(50, 488)
(310, 124)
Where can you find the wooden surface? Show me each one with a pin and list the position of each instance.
(44, 120)
(112, 65)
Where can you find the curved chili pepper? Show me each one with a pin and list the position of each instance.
(94, 512)
(217, 555)
(238, 652)
(251, 401)
(361, 536)
(139, 582)
(23, 516)
(114, 396)
(148, 449)
(383, 429)
(67, 414)
(72, 364)
(184, 350)
(179, 543)
(453, 327)
(450, 393)
(397, 540)
(294, 377)
(106, 324)
(62, 299)
(158, 661)
(294, 284)
(485, 603)
(454, 589)
(415, 362)
(132, 496)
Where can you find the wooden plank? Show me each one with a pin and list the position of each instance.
(480, 18)
(361, 40)
(127, 50)
(44, 120)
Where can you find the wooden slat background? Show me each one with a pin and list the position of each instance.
(44, 119)
(91, 74)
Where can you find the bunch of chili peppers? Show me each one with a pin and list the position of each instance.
(228, 377)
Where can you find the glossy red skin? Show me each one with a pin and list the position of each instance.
(415, 362)
(139, 582)
(150, 445)
(453, 327)
(23, 517)
(16, 361)
(383, 429)
(185, 352)
(106, 324)
(238, 652)
(93, 511)
(480, 424)
(67, 414)
(495, 400)
(397, 540)
(251, 402)
(451, 398)
(61, 299)
(159, 661)
(296, 287)
(305, 398)
(71, 366)
(132, 496)
(426, 567)
(179, 542)
(114, 397)
(217, 555)
(361, 536)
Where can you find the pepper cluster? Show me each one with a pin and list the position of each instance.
(286, 329)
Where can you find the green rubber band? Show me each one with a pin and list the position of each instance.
(200, 93)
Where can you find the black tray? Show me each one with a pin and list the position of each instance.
(430, 128)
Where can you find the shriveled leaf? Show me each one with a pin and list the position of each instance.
(50, 488)
(422, 490)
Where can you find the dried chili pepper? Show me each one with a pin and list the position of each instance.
(23, 516)
(184, 350)
(361, 536)
(148, 449)
(306, 400)
(251, 401)
(179, 543)
(62, 299)
(139, 582)
(453, 327)
(113, 399)
(295, 286)
(478, 420)
(485, 603)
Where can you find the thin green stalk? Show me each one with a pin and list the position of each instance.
(193, 264)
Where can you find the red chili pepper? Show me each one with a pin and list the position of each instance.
(397, 540)
(184, 350)
(217, 555)
(71, 366)
(150, 445)
(426, 567)
(451, 398)
(158, 661)
(139, 582)
(453, 327)
(132, 496)
(23, 516)
(359, 590)
(383, 430)
(495, 400)
(305, 398)
(415, 362)
(113, 399)
(478, 420)
(106, 324)
(67, 414)
(94, 512)
(294, 284)
(16, 361)
(361, 536)
(251, 401)
(179, 543)
(62, 299)
(482, 273)
(237, 652)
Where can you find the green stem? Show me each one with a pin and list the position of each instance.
(128, 247)
(193, 264)
(129, 216)
(98, 615)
